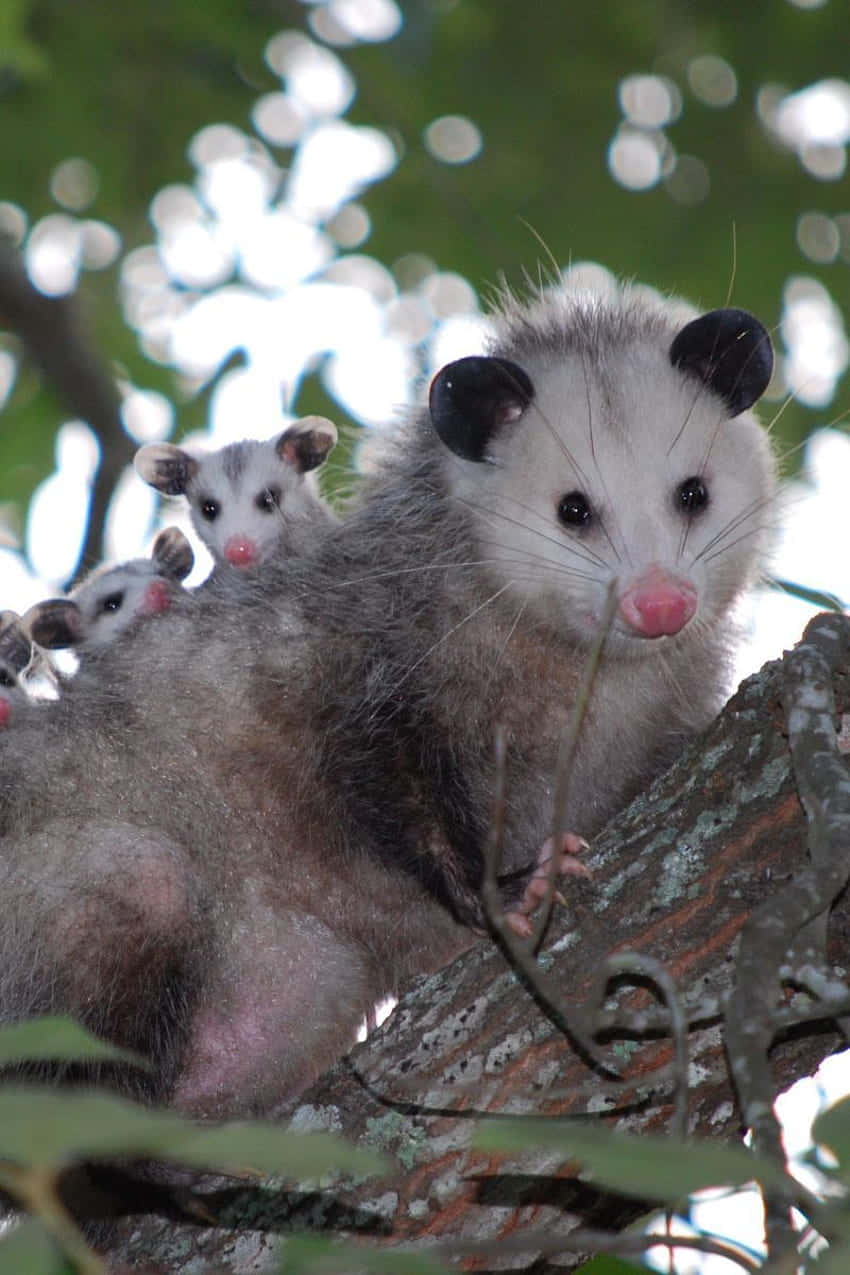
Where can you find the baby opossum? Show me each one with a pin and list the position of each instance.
(16, 654)
(112, 599)
(222, 861)
(249, 501)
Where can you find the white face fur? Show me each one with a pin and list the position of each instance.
(15, 659)
(656, 474)
(112, 600)
(242, 499)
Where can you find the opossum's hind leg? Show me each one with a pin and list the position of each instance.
(285, 1003)
(569, 864)
(100, 923)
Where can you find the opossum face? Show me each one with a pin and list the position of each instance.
(623, 452)
(113, 599)
(245, 498)
(15, 656)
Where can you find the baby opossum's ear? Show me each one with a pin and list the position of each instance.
(15, 642)
(173, 554)
(471, 398)
(306, 444)
(167, 468)
(730, 351)
(58, 622)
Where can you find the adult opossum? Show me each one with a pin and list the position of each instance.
(275, 812)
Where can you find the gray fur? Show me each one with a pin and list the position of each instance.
(279, 794)
(112, 599)
(250, 502)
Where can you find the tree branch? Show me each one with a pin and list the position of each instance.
(676, 878)
(53, 335)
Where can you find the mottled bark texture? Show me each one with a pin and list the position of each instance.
(675, 878)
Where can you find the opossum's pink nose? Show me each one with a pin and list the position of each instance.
(240, 552)
(157, 598)
(658, 604)
(5, 711)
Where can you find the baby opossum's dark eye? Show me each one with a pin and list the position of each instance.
(574, 510)
(209, 510)
(113, 601)
(269, 500)
(6, 678)
(692, 495)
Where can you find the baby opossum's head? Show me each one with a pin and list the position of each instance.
(112, 599)
(16, 653)
(243, 498)
(609, 441)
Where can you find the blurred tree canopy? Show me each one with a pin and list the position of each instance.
(126, 88)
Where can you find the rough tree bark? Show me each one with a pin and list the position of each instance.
(675, 877)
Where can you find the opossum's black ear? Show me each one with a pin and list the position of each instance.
(471, 398)
(173, 554)
(166, 467)
(15, 643)
(58, 622)
(306, 444)
(730, 351)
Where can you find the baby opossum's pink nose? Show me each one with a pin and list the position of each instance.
(658, 604)
(157, 597)
(5, 711)
(239, 552)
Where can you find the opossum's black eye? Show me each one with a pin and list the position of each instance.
(574, 510)
(113, 601)
(269, 500)
(6, 678)
(692, 495)
(210, 510)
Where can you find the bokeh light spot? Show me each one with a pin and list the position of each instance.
(371, 20)
(819, 114)
(74, 184)
(280, 118)
(453, 139)
(817, 348)
(13, 222)
(635, 158)
(649, 101)
(818, 237)
(713, 80)
(689, 182)
(53, 254)
(147, 417)
(351, 226)
(100, 244)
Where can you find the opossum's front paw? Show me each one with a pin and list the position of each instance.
(569, 864)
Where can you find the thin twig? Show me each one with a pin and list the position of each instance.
(566, 756)
(638, 965)
(521, 954)
(545, 1244)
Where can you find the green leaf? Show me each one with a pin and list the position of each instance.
(42, 1127)
(27, 1247)
(831, 1129)
(654, 1168)
(57, 1039)
(316, 1254)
